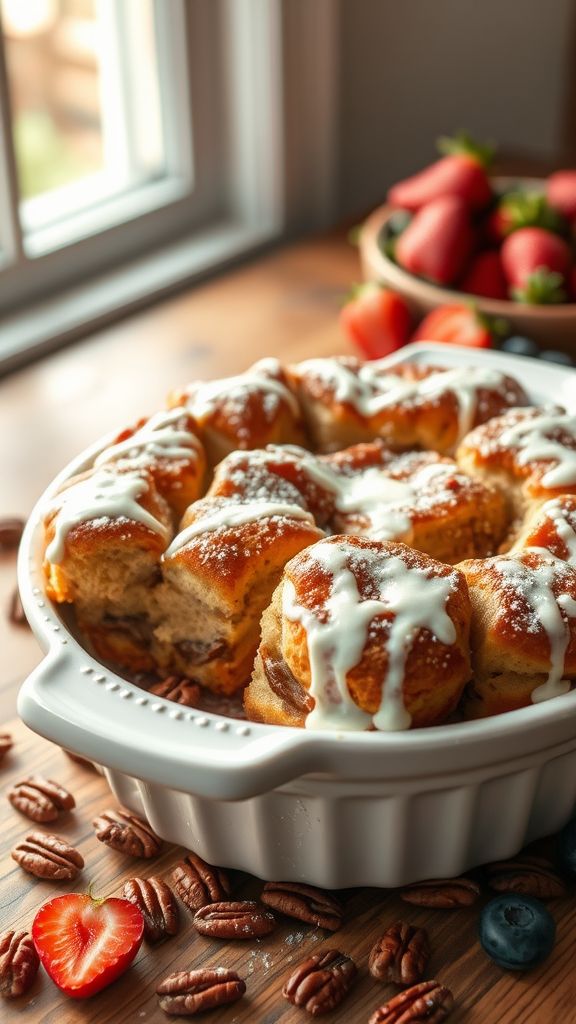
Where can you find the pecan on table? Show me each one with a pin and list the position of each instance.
(527, 876)
(321, 982)
(304, 902)
(155, 900)
(6, 743)
(198, 883)
(427, 1002)
(400, 955)
(186, 993)
(244, 919)
(127, 833)
(179, 689)
(442, 893)
(40, 799)
(11, 530)
(19, 964)
(48, 856)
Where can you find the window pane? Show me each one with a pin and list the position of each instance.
(85, 98)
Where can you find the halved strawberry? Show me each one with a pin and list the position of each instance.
(455, 325)
(86, 943)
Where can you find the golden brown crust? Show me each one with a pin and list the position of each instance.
(551, 527)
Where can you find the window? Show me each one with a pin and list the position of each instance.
(143, 142)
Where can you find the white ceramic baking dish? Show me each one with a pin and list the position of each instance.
(336, 810)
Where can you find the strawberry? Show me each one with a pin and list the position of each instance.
(455, 325)
(438, 241)
(376, 319)
(485, 277)
(536, 264)
(86, 943)
(522, 210)
(561, 192)
(461, 173)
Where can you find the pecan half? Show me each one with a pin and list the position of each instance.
(198, 883)
(442, 893)
(186, 993)
(527, 876)
(48, 856)
(19, 963)
(304, 902)
(15, 611)
(124, 831)
(179, 689)
(6, 743)
(40, 799)
(157, 904)
(11, 529)
(245, 919)
(400, 955)
(429, 1001)
(321, 982)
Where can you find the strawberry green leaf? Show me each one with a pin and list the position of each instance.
(542, 288)
(462, 144)
(531, 209)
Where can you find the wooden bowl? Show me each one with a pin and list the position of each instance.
(553, 327)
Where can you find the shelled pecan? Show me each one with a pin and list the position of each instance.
(304, 902)
(125, 832)
(429, 1001)
(186, 993)
(321, 982)
(19, 964)
(442, 893)
(198, 883)
(11, 529)
(40, 799)
(6, 743)
(527, 876)
(245, 919)
(400, 955)
(48, 856)
(156, 902)
(179, 689)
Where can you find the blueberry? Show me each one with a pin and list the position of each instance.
(519, 346)
(557, 357)
(567, 847)
(517, 932)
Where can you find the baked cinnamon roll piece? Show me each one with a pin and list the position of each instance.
(251, 410)
(550, 529)
(362, 634)
(523, 634)
(419, 498)
(168, 447)
(105, 533)
(529, 453)
(345, 401)
(218, 576)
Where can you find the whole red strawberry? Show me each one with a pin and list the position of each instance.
(376, 319)
(85, 943)
(461, 173)
(516, 210)
(438, 241)
(536, 264)
(485, 277)
(454, 324)
(561, 192)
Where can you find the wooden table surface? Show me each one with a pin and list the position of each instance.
(284, 304)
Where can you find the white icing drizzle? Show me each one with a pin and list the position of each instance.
(370, 390)
(336, 639)
(559, 516)
(103, 495)
(535, 584)
(204, 395)
(160, 437)
(231, 515)
(530, 437)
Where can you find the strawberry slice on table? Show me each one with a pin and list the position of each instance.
(536, 264)
(561, 192)
(461, 172)
(376, 319)
(85, 943)
(456, 325)
(437, 242)
(485, 277)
